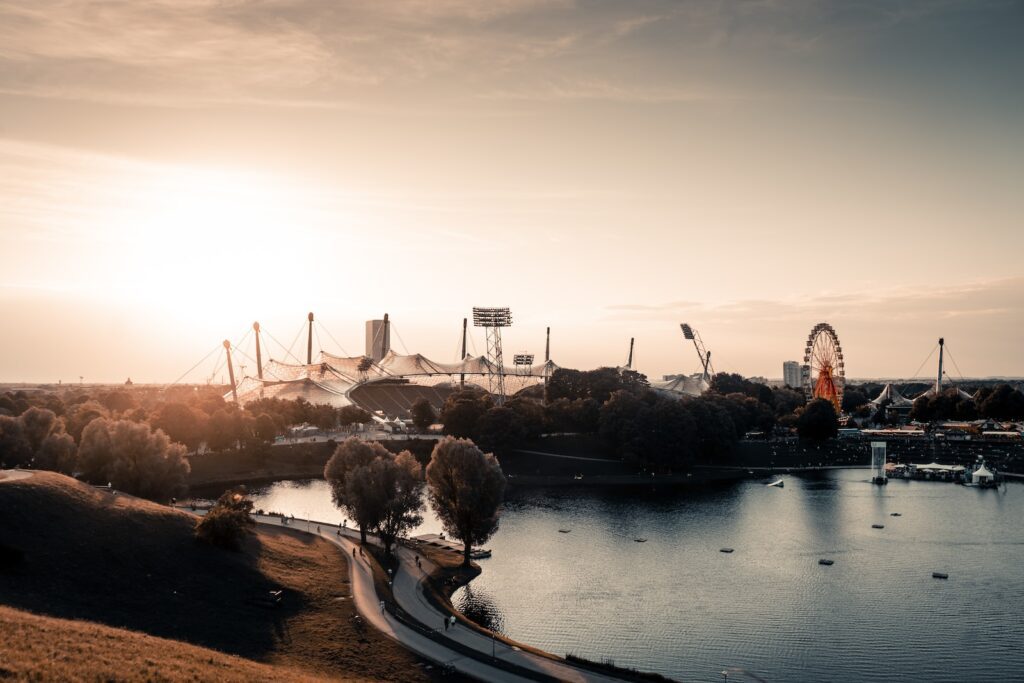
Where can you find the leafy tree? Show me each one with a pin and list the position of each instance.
(351, 490)
(786, 401)
(265, 429)
(652, 431)
(423, 414)
(499, 429)
(579, 415)
(466, 488)
(15, 449)
(352, 415)
(117, 401)
(853, 399)
(1003, 403)
(324, 416)
(228, 522)
(462, 412)
(132, 458)
(818, 421)
(529, 416)
(80, 415)
(36, 437)
(182, 423)
(400, 479)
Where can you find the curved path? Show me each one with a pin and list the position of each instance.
(446, 647)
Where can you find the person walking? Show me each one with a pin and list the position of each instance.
(353, 552)
(445, 623)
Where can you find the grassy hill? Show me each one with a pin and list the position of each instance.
(44, 648)
(73, 552)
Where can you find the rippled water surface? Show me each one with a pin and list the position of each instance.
(676, 605)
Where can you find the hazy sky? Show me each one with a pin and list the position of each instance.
(172, 170)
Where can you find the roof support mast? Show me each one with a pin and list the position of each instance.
(259, 357)
(309, 343)
(462, 376)
(629, 362)
(231, 371)
(938, 378)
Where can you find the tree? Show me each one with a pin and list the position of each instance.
(37, 438)
(133, 459)
(351, 489)
(228, 522)
(182, 423)
(352, 415)
(462, 412)
(853, 399)
(265, 428)
(818, 421)
(401, 486)
(15, 449)
(498, 429)
(466, 488)
(423, 414)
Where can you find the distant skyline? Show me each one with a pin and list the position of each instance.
(171, 171)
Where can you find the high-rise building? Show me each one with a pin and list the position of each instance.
(792, 377)
(378, 338)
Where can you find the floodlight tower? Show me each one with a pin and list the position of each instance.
(259, 356)
(492, 320)
(702, 353)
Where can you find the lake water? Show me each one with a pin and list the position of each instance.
(768, 611)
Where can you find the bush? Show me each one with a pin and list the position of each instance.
(228, 522)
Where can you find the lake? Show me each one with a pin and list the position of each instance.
(676, 605)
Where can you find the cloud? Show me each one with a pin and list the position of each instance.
(997, 299)
(327, 53)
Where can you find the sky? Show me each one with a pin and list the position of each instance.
(171, 171)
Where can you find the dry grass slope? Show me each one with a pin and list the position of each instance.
(48, 649)
(72, 552)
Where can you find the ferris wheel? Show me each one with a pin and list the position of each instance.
(824, 372)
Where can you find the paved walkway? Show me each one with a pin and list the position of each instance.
(409, 595)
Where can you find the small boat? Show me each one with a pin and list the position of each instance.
(778, 483)
(895, 514)
(725, 550)
(827, 563)
(564, 531)
(578, 477)
(640, 540)
(940, 575)
(480, 554)
(877, 526)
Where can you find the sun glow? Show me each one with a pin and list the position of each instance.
(187, 236)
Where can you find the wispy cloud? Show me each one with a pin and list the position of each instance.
(326, 53)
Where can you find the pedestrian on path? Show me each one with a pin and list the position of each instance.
(353, 552)
(446, 623)
(452, 620)
(382, 607)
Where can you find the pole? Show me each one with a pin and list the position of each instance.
(462, 376)
(547, 347)
(309, 343)
(629, 363)
(387, 336)
(938, 379)
(231, 371)
(259, 358)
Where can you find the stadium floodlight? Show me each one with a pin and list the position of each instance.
(523, 359)
(687, 331)
(492, 317)
(492, 320)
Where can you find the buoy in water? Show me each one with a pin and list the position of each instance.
(725, 550)
(895, 514)
(877, 526)
(640, 540)
(939, 575)
(827, 563)
(564, 531)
